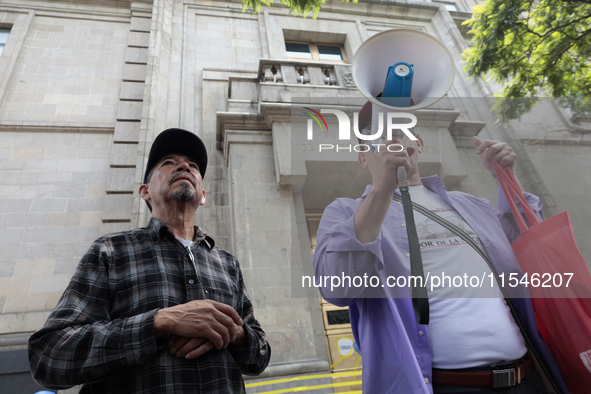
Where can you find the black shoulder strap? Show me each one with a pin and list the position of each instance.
(420, 298)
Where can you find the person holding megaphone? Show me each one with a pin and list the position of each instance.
(469, 341)
(418, 266)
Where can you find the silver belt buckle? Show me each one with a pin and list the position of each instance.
(505, 378)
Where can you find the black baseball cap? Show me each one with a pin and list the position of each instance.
(177, 141)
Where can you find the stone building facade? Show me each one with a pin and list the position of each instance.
(85, 86)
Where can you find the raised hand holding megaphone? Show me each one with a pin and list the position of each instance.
(400, 71)
(419, 70)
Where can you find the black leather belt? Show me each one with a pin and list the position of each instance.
(499, 376)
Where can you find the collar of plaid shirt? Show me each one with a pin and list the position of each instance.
(101, 333)
(159, 230)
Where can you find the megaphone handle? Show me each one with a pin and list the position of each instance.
(401, 176)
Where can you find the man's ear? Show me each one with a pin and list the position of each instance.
(202, 202)
(362, 160)
(420, 144)
(145, 193)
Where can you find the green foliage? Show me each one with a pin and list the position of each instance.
(297, 7)
(534, 48)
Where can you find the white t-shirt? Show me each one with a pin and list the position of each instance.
(465, 330)
(185, 242)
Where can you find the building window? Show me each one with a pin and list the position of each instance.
(4, 33)
(449, 6)
(329, 53)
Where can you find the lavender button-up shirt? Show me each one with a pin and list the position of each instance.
(394, 347)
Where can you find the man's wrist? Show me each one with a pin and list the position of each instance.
(240, 337)
(160, 323)
(382, 191)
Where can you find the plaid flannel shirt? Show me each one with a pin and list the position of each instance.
(101, 333)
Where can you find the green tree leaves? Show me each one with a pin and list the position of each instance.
(297, 7)
(534, 48)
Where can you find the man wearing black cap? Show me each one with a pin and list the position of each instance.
(157, 309)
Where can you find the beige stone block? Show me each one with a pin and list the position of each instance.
(19, 220)
(141, 24)
(49, 205)
(51, 235)
(84, 204)
(11, 236)
(127, 132)
(22, 322)
(109, 228)
(25, 303)
(263, 295)
(5, 152)
(124, 155)
(20, 178)
(68, 191)
(15, 285)
(121, 180)
(91, 219)
(110, 120)
(284, 341)
(34, 267)
(259, 277)
(9, 191)
(134, 72)
(27, 153)
(26, 191)
(93, 152)
(66, 219)
(13, 108)
(83, 165)
(117, 207)
(25, 98)
(138, 39)
(41, 109)
(50, 284)
(52, 300)
(129, 110)
(33, 43)
(48, 27)
(136, 55)
(95, 191)
(132, 90)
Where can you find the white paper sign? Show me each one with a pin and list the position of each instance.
(345, 346)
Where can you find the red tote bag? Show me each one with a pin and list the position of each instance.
(559, 283)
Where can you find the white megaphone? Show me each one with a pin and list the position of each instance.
(419, 68)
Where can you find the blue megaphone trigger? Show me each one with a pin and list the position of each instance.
(398, 86)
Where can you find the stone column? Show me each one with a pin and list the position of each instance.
(121, 180)
(262, 215)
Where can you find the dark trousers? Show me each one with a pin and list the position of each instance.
(532, 384)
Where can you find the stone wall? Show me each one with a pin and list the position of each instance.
(51, 199)
(68, 72)
(60, 92)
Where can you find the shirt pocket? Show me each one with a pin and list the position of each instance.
(224, 296)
